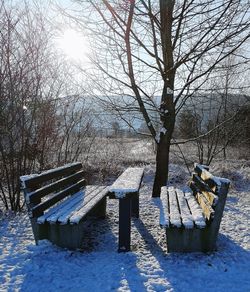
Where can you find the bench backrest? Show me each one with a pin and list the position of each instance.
(41, 191)
(210, 192)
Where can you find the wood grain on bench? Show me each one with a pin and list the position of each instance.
(58, 202)
(75, 207)
(192, 217)
(179, 211)
(34, 180)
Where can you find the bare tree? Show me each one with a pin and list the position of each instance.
(75, 130)
(27, 79)
(213, 120)
(165, 48)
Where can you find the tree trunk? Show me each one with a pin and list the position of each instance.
(162, 154)
(162, 163)
(167, 107)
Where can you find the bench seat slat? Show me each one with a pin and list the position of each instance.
(164, 208)
(71, 204)
(202, 203)
(128, 182)
(90, 192)
(55, 196)
(63, 211)
(57, 209)
(187, 219)
(175, 218)
(77, 216)
(195, 209)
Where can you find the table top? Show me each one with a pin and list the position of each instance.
(128, 182)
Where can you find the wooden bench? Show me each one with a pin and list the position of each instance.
(126, 190)
(192, 216)
(58, 202)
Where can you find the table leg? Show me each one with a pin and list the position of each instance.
(124, 224)
(135, 205)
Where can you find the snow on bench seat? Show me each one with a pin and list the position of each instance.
(174, 214)
(58, 201)
(194, 213)
(53, 213)
(180, 209)
(195, 208)
(186, 216)
(88, 205)
(128, 182)
(74, 208)
(164, 208)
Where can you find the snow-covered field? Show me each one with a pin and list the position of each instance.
(27, 267)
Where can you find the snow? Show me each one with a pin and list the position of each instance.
(158, 137)
(196, 210)
(58, 211)
(216, 179)
(163, 130)
(163, 207)
(220, 180)
(27, 267)
(128, 182)
(29, 176)
(174, 213)
(77, 216)
(23, 178)
(169, 90)
(187, 218)
(74, 208)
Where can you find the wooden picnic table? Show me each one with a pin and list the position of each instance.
(126, 190)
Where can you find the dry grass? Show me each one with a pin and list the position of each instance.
(109, 156)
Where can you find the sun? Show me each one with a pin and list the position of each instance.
(73, 45)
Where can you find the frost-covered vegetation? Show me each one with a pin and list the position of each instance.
(53, 112)
(148, 267)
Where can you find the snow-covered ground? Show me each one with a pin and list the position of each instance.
(27, 267)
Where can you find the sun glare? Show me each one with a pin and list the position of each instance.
(73, 45)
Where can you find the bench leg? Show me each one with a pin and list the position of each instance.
(40, 231)
(124, 224)
(99, 210)
(135, 205)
